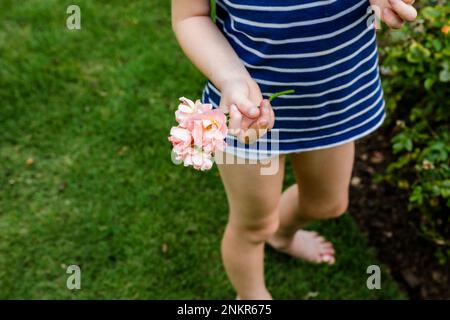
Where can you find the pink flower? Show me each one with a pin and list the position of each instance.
(199, 159)
(201, 131)
(181, 141)
(187, 109)
(209, 130)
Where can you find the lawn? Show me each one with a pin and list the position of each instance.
(86, 176)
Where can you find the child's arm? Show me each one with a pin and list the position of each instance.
(203, 43)
(211, 53)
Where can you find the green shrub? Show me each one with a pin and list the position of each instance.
(415, 63)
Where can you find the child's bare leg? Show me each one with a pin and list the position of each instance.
(321, 192)
(254, 216)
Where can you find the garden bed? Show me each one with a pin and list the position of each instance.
(381, 212)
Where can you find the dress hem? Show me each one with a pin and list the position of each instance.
(258, 156)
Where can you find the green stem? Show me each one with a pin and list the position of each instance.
(277, 94)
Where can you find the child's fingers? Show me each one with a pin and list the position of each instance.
(254, 132)
(259, 127)
(247, 107)
(234, 126)
(272, 118)
(264, 119)
(267, 113)
(250, 130)
(405, 11)
(392, 19)
(225, 109)
(246, 122)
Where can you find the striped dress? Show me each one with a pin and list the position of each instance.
(325, 50)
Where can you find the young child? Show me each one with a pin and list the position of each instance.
(326, 51)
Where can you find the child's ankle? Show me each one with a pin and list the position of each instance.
(255, 296)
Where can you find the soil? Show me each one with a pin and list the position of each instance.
(381, 213)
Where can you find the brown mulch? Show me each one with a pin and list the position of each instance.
(381, 212)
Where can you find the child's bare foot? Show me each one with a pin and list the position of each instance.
(306, 245)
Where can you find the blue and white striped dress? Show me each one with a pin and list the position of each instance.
(325, 50)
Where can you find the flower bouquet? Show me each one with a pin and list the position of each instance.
(201, 132)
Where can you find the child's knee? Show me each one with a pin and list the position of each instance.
(262, 231)
(327, 209)
(259, 230)
(338, 208)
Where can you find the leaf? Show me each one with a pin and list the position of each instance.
(402, 142)
(437, 44)
(430, 13)
(416, 195)
(444, 75)
(417, 53)
(429, 83)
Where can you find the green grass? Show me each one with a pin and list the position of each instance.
(93, 109)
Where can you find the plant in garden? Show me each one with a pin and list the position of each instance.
(416, 69)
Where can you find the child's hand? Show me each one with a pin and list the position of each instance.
(394, 12)
(241, 98)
